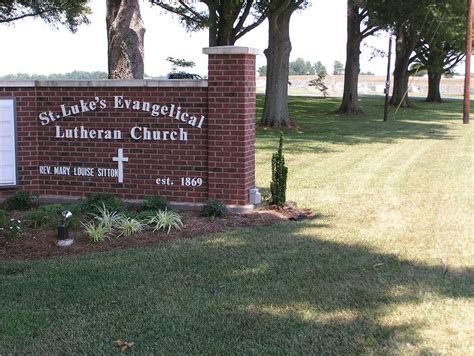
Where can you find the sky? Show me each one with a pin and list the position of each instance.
(317, 33)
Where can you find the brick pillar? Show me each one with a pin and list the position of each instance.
(231, 123)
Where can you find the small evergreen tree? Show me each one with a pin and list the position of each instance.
(319, 84)
(279, 174)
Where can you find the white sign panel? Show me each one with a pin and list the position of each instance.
(8, 175)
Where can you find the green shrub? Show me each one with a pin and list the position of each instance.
(77, 215)
(20, 200)
(214, 209)
(12, 229)
(75, 209)
(44, 215)
(3, 218)
(97, 200)
(4, 224)
(154, 204)
(279, 174)
(145, 215)
(166, 220)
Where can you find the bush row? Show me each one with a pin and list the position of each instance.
(153, 211)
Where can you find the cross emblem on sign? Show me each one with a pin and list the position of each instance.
(120, 159)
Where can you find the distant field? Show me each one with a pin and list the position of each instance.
(386, 267)
(368, 85)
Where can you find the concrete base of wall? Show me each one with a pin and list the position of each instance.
(65, 199)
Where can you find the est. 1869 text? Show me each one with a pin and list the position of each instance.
(183, 181)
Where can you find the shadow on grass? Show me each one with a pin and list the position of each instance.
(265, 290)
(318, 123)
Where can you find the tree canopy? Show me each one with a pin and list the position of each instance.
(407, 20)
(301, 67)
(180, 63)
(320, 69)
(338, 68)
(67, 13)
(441, 45)
(227, 20)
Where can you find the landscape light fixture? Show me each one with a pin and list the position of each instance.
(63, 232)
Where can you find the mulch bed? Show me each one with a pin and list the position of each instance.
(38, 244)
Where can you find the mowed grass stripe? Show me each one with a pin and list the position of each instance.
(439, 202)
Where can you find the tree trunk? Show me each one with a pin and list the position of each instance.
(221, 22)
(213, 21)
(275, 111)
(225, 36)
(405, 44)
(400, 88)
(434, 81)
(125, 33)
(350, 98)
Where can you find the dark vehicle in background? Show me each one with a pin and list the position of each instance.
(183, 76)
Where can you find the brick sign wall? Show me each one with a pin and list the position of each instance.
(186, 140)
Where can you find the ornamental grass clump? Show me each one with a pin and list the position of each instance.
(106, 217)
(128, 226)
(103, 224)
(279, 175)
(96, 231)
(166, 220)
(106, 223)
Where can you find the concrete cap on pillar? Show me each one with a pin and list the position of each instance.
(230, 50)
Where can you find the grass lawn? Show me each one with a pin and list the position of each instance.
(395, 211)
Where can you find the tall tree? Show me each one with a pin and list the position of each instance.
(338, 68)
(406, 19)
(358, 28)
(227, 20)
(275, 111)
(406, 39)
(125, 35)
(68, 13)
(441, 47)
(301, 67)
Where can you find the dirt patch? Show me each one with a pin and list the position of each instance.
(41, 243)
(291, 212)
